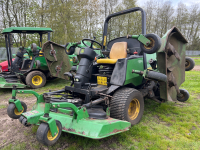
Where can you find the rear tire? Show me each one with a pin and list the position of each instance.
(36, 79)
(127, 104)
(44, 136)
(13, 112)
(189, 63)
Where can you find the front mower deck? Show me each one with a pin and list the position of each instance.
(87, 127)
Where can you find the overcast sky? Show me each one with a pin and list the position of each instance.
(174, 2)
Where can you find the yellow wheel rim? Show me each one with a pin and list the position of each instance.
(134, 109)
(17, 112)
(50, 137)
(187, 64)
(152, 43)
(37, 80)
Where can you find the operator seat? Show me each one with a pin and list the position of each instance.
(118, 51)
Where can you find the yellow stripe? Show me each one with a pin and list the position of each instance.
(104, 43)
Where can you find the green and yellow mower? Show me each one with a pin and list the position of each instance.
(106, 95)
(32, 71)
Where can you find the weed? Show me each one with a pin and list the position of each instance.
(2, 106)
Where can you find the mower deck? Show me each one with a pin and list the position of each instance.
(9, 83)
(88, 127)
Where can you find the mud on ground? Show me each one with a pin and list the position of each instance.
(11, 130)
(196, 68)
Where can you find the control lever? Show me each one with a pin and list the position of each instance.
(71, 77)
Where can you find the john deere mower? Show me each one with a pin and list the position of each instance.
(107, 96)
(32, 71)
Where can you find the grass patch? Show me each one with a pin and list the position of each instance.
(196, 60)
(2, 106)
(34, 129)
(19, 146)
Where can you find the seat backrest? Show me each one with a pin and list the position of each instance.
(118, 50)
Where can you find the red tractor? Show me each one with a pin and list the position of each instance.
(4, 66)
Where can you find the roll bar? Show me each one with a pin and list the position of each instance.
(104, 38)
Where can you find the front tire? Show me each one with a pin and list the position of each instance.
(127, 104)
(36, 79)
(154, 45)
(13, 112)
(44, 134)
(189, 63)
(185, 95)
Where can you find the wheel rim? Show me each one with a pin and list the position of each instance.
(50, 137)
(37, 80)
(134, 109)
(152, 43)
(182, 96)
(17, 112)
(187, 64)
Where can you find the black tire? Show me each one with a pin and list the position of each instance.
(189, 63)
(44, 131)
(121, 103)
(154, 46)
(23, 121)
(185, 96)
(70, 51)
(34, 47)
(36, 79)
(13, 112)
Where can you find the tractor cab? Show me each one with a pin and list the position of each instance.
(21, 65)
(22, 71)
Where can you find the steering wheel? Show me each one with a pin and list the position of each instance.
(92, 43)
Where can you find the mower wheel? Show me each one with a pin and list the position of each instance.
(189, 63)
(154, 45)
(36, 79)
(127, 104)
(44, 134)
(13, 112)
(185, 95)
